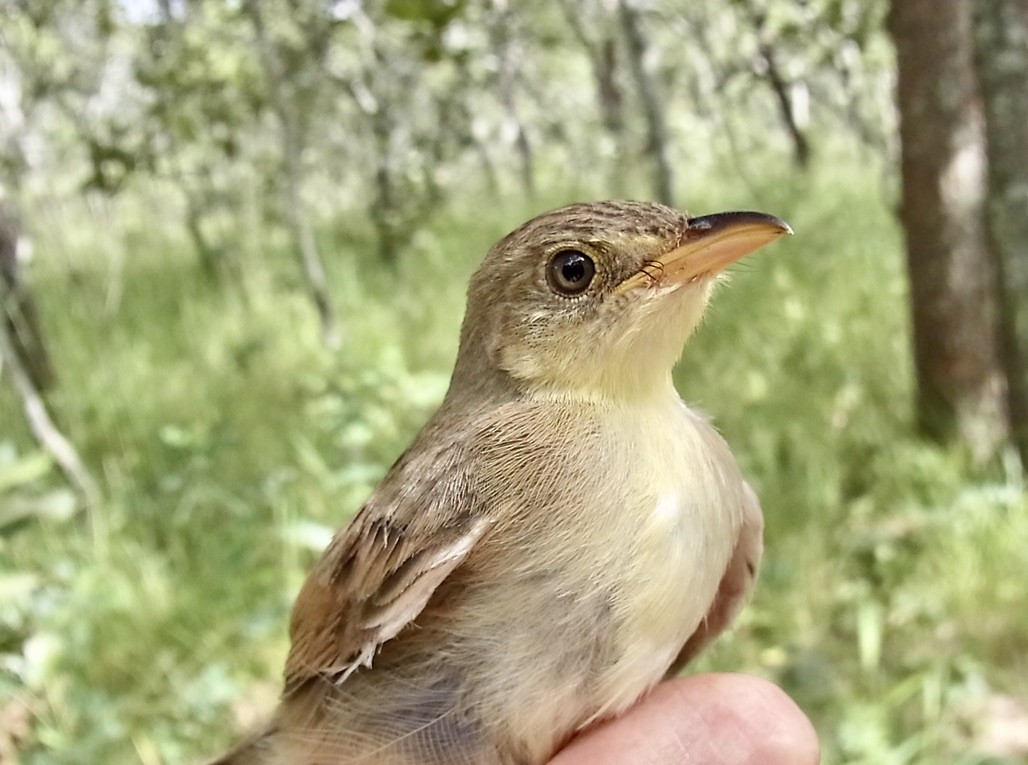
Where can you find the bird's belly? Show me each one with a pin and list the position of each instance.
(617, 640)
(676, 563)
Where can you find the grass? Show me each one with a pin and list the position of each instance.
(229, 445)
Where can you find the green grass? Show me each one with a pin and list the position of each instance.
(229, 444)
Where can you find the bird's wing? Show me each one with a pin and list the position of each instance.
(736, 582)
(377, 575)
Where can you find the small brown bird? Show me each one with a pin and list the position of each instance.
(562, 533)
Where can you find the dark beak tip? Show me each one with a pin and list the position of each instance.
(736, 218)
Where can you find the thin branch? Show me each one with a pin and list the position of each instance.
(43, 428)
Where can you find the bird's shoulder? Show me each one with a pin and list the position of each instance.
(380, 570)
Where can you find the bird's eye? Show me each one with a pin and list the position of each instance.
(570, 272)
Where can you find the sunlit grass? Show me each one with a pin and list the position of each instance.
(229, 444)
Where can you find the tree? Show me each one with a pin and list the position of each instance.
(771, 68)
(1002, 57)
(18, 312)
(294, 66)
(652, 103)
(407, 78)
(201, 96)
(952, 282)
(502, 31)
(23, 363)
(601, 48)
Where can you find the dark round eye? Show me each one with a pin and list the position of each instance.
(570, 272)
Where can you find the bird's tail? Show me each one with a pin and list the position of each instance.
(254, 750)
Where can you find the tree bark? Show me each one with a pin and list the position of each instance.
(1001, 28)
(960, 383)
(653, 109)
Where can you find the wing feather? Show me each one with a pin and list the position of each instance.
(380, 571)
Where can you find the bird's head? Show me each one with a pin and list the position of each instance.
(597, 300)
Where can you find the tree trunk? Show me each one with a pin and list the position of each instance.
(960, 384)
(23, 359)
(293, 144)
(209, 255)
(786, 108)
(479, 144)
(507, 77)
(779, 86)
(602, 54)
(652, 103)
(373, 98)
(18, 309)
(303, 238)
(1002, 58)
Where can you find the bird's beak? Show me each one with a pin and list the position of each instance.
(708, 245)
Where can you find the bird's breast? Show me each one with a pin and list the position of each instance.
(613, 529)
(677, 519)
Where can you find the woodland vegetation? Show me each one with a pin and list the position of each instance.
(234, 239)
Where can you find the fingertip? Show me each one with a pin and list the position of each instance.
(721, 719)
(755, 720)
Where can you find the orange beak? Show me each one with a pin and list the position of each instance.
(708, 246)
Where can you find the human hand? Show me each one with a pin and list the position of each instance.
(719, 719)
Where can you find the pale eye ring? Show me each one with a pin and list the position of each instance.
(570, 272)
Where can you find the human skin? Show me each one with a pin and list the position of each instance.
(717, 719)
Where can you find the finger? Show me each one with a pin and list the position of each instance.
(712, 719)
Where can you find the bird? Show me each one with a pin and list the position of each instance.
(564, 531)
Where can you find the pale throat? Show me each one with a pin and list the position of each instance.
(632, 366)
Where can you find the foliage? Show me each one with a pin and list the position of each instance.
(231, 444)
(157, 151)
(189, 90)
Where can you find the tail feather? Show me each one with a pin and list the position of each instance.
(254, 750)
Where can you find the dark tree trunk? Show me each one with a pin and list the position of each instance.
(384, 205)
(18, 309)
(652, 103)
(779, 86)
(601, 50)
(786, 108)
(608, 93)
(209, 255)
(960, 384)
(1002, 57)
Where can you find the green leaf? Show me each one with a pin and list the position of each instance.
(436, 12)
(57, 505)
(24, 470)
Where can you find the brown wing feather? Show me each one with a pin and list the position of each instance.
(379, 572)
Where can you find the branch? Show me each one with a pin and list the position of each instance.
(43, 428)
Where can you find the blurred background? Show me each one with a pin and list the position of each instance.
(234, 242)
